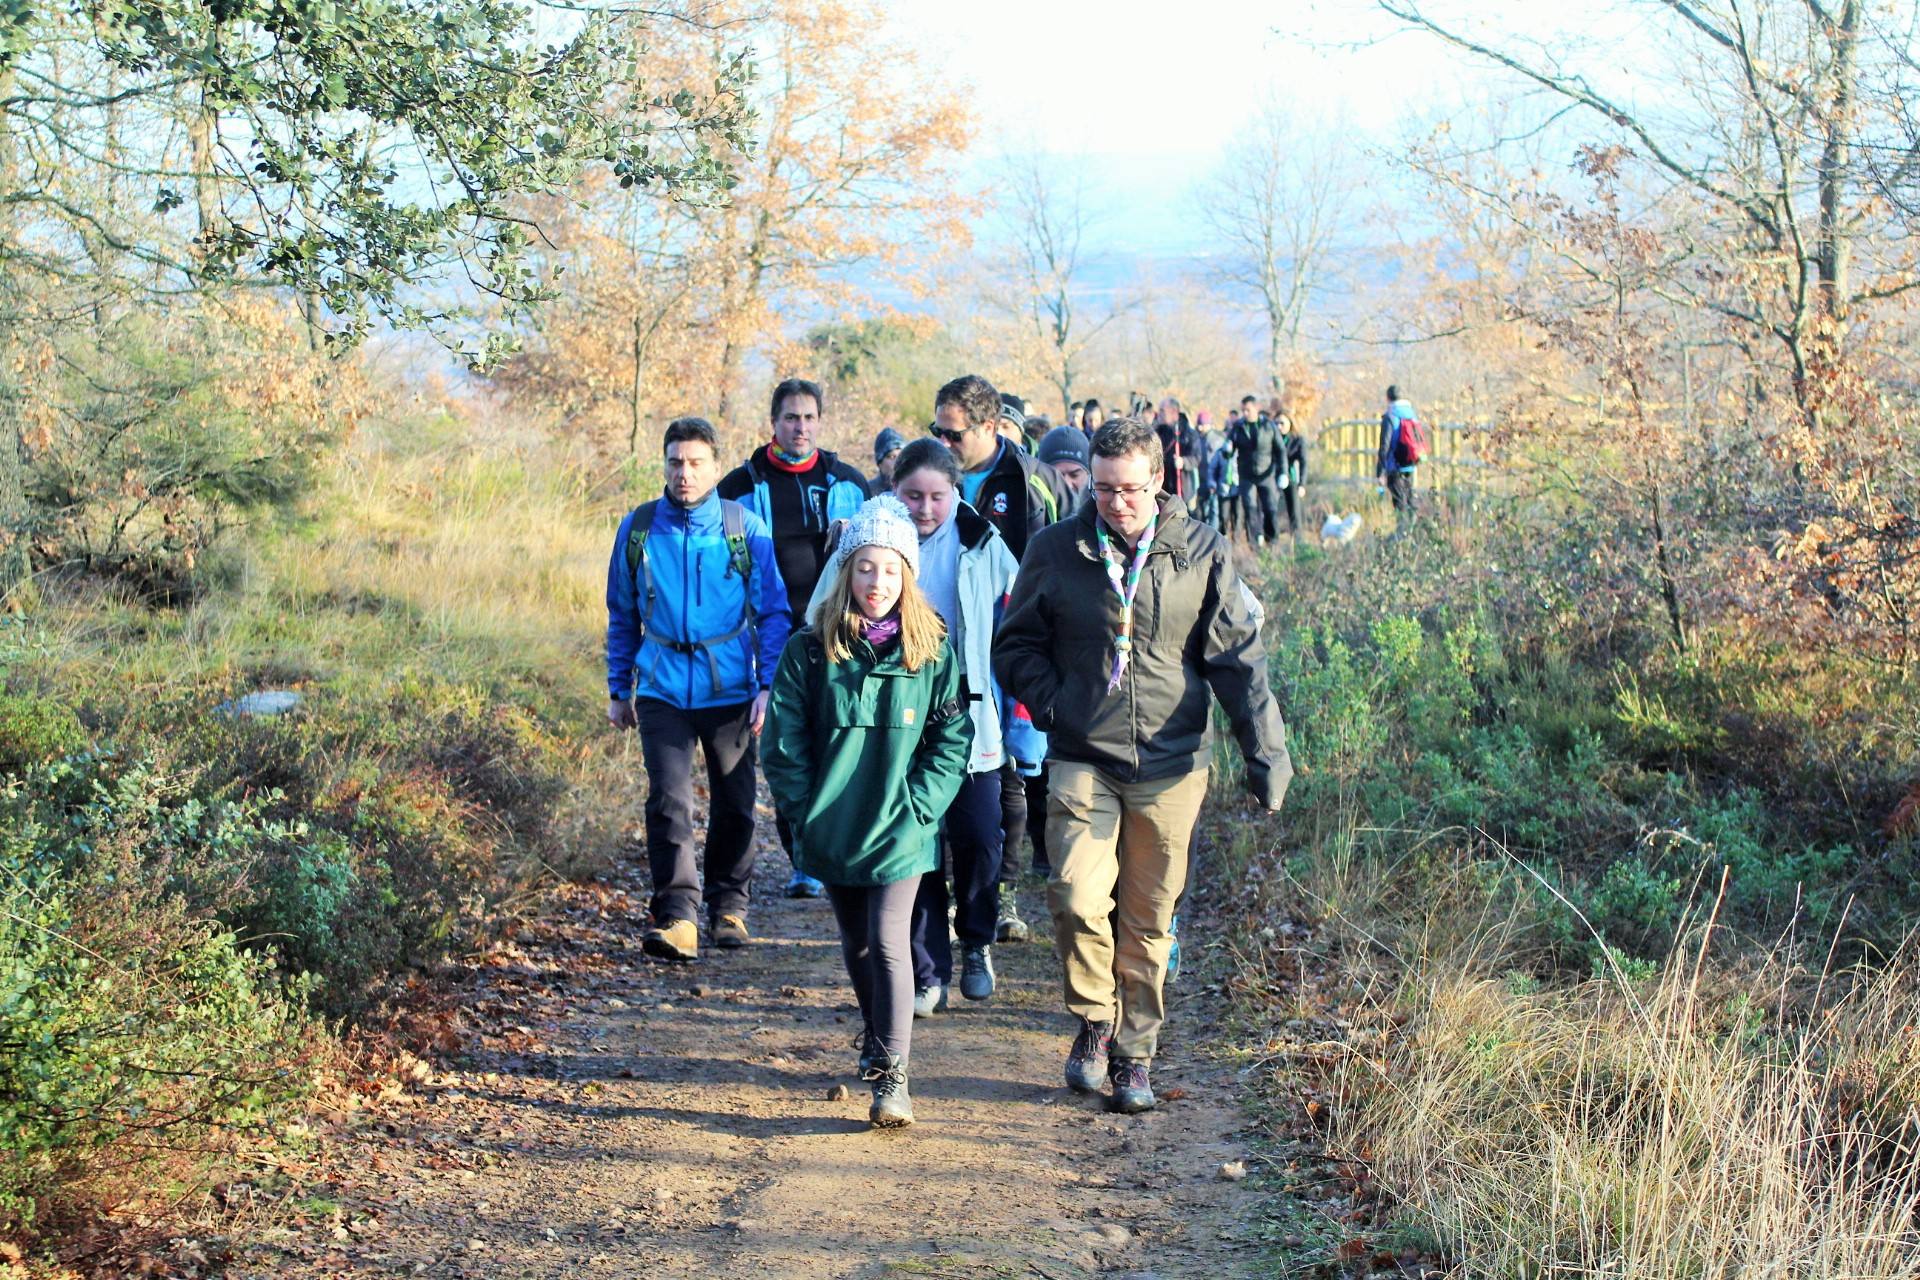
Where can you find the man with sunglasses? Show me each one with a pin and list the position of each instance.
(1018, 494)
(1126, 621)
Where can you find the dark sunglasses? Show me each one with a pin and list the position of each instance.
(941, 433)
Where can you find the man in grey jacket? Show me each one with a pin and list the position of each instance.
(1124, 689)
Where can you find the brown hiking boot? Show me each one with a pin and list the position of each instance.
(730, 932)
(672, 940)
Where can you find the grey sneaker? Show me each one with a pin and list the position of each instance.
(892, 1108)
(1009, 927)
(976, 973)
(1131, 1090)
(928, 1001)
(1087, 1061)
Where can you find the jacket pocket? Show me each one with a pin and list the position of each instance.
(899, 703)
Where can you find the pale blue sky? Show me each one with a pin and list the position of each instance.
(1191, 73)
(1150, 94)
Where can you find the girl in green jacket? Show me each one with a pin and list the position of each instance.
(867, 742)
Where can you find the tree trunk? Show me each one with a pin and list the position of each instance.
(1669, 589)
(633, 396)
(13, 463)
(206, 197)
(1836, 156)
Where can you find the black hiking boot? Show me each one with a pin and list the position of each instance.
(1087, 1062)
(1131, 1090)
(873, 1054)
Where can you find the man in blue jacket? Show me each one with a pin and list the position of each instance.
(1393, 468)
(696, 615)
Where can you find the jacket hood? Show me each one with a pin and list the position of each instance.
(974, 529)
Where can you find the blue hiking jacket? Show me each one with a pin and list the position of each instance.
(697, 596)
(1389, 433)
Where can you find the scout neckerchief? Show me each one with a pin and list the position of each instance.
(1126, 585)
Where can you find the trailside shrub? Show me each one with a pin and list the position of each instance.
(149, 441)
(136, 1034)
(374, 826)
(1597, 780)
(34, 730)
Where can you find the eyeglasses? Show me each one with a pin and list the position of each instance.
(951, 437)
(1127, 491)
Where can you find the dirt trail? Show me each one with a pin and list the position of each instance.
(634, 1118)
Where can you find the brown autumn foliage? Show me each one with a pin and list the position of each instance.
(851, 184)
(146, 442)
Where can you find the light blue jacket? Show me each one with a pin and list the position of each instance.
(697, 595)
(985, 580)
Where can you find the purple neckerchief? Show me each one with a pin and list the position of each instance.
(882, 633)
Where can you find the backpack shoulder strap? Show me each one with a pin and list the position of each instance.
(637, 555)
(733, 520)
(1041, 489)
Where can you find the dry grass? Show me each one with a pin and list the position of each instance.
(1718, 1119)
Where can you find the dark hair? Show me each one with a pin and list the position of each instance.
(796, 387)
(1121, 436)
(1249, 400)
(926, 454)
(1091, 405)
(975, 396)
(1393, 393)
(684, 429)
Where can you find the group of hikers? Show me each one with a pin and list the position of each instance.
(983, 640)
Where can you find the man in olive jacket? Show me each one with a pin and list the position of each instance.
(1126, 621)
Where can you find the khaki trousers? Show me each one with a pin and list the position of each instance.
(1118, 844)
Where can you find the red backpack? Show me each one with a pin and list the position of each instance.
(1412, 444)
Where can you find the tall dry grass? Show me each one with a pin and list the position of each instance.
(1753, 1117)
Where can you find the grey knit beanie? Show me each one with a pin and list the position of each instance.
(886, 442)
(882, 522)
(1065, 444)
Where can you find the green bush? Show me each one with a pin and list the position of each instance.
(127, 1019)
(370, 828)
(35, 730)
(1597, 775)
(161, 437)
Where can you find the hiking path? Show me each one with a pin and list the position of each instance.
(612, 1115)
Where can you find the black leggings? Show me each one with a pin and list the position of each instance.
(875, 940)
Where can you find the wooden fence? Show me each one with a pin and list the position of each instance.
(1344, 451)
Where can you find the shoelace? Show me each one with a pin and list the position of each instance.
(1092, 1039)
(887, 1080)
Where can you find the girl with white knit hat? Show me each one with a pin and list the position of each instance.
(866, 745)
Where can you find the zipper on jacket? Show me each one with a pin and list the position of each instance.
(686, 620)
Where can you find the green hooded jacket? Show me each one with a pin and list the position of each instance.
(863, 757)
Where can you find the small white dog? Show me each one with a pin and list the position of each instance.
(1341, 529)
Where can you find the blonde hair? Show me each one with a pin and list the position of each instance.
(839, 621)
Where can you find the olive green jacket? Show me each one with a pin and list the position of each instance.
(863, 757)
